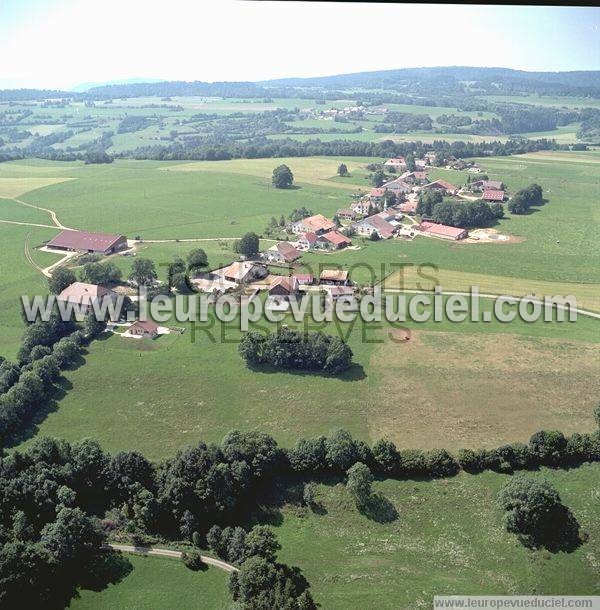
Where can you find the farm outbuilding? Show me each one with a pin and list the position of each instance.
(84, 241)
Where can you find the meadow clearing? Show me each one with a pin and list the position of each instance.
(156, 582)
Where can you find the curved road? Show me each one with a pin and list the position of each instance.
(154, 552)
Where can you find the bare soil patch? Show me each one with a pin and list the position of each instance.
(454, 390)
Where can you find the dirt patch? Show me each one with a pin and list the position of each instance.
(452, 390)
(491, 236)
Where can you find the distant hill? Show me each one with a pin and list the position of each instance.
(175, 88)
(83, 87)
(431, 83)
(590, 78)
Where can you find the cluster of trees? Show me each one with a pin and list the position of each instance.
(404, 122)
(431, 204)
(589, 130)
(466, 213)
(132, 123)
(454, 120)
(97, 156)
(522, 200)
(293, 350)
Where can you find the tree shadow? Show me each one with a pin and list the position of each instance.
(379, 509)
(561, 533)
(108, 569)
(356, 372)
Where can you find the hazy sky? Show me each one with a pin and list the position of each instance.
(60, 43)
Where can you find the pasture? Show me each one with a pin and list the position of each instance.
(439, 544)
(156, 582)
(179, 391)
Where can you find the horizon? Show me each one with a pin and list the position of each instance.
(76, 53)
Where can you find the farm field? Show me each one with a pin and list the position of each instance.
(180, 390)
(439, 544)
(156, 582)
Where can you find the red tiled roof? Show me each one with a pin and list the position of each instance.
(148, 326)
(377, 192)
(318, 222)
(286, 282)
(82, 293)
(288, 251)
(310, 237)
(382, 226)
(495, 185)
(83, 240)
(303, 277)
(445, 185)
(408, 206)
(492, 195)
(443, 230)
(336, 238)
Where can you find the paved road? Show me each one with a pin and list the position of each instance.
(154, 552)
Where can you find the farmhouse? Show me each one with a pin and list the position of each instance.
(307, 241)
(443, 231)
(488, 185)
(375, 224)
(442, 186)
(144, 328)
(408, 207)
(363, 206)
(282, 252)
(317, 224)
(346, 214)
(83, 241)
(398, 186)
(396, 163)
(376, 195)
(283, 286)
(333, 240)
(334, 277)
(241, 272)
(493, 195)
(85, 295)
(303, 279)
(414, 177)
(339, 292)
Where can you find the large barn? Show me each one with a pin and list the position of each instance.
(83, 241)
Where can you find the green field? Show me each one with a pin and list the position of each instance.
(448, 539)
(154, 582)
(473, 384)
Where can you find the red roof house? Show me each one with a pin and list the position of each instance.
(493, 195)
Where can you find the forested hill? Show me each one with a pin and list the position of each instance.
(461, 76)
(432, 82)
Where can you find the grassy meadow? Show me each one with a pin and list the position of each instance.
(448, 539)
(157, 582)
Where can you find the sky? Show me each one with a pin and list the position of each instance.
(62, 43)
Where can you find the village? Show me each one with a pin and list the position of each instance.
(397, 209)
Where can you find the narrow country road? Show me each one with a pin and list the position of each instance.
(52, 213)
(154, 552)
